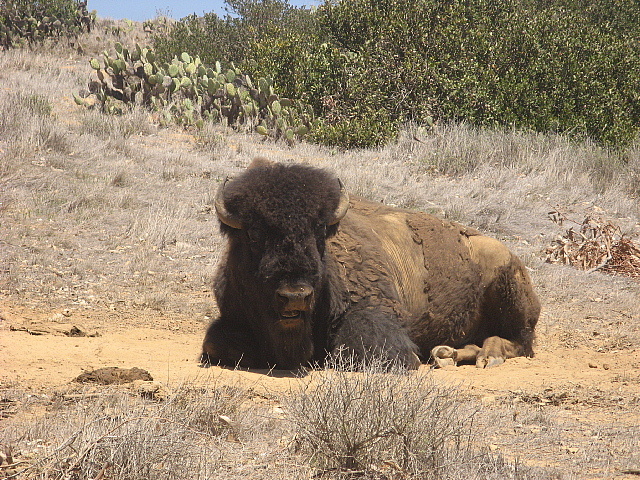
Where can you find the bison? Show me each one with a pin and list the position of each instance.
(309, 270)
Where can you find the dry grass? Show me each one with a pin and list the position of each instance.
(357, 422)
(377, 423)
(84, 433)
(385, 422)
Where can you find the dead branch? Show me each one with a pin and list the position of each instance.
(594, 246)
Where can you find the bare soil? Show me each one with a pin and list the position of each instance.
(571, 408)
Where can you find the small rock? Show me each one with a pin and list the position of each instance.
(151, 390)
(90, 101)
(592, 365)
(606, 366)
(232, 435)
(285, 441)
(488, 400)
(225, 420)
(278, 412)
(6, 457)
(57, 317)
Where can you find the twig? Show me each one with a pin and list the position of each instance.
(100, 475)
(601, 265)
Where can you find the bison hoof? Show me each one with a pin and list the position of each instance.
(414, 362)
(488, 362)
(444, 356)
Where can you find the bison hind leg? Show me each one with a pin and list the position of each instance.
(444, 355)
(494, 351)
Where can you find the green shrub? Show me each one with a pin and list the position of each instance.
(28, 21)
(364, 131)
(231, 38)
(530, 64)
(209, 37)
(562, 66)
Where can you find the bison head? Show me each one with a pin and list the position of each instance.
(277, 218)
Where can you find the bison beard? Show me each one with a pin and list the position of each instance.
(308, 271)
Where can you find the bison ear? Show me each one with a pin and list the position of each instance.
(343, 206)
(225, 216)
(260, 162)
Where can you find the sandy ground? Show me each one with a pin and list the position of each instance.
(39, 350)
(590, 400)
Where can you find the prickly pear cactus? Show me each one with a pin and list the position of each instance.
(193, 92)
(31, 22)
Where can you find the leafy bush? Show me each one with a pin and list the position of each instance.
(529, 64)
(209, 37)
(28, 21)
(374, 129)
(231, 38)
(561, 66)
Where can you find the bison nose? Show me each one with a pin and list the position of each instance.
(294, 297)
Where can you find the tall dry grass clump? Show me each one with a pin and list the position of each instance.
(27, 126)
(118, 435)
(377, 417)
(368, 419)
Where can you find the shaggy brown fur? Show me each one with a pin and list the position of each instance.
(389, 281)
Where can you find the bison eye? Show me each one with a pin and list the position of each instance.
(321, 231)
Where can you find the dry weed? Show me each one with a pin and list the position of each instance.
(87, 434)
(595, 245)
(374, 420)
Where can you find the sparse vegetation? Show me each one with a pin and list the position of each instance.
(376, 423)
(380, 415)
(127, 436)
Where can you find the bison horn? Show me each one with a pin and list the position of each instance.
(225, 216)
(343, 205)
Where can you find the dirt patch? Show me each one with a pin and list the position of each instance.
(113, 375)
(560, 410)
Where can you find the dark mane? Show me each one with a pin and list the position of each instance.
(281, 194)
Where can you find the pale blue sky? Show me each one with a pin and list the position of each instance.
(140, 10)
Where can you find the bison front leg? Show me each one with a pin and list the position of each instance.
(372, 329)
(222, 346)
